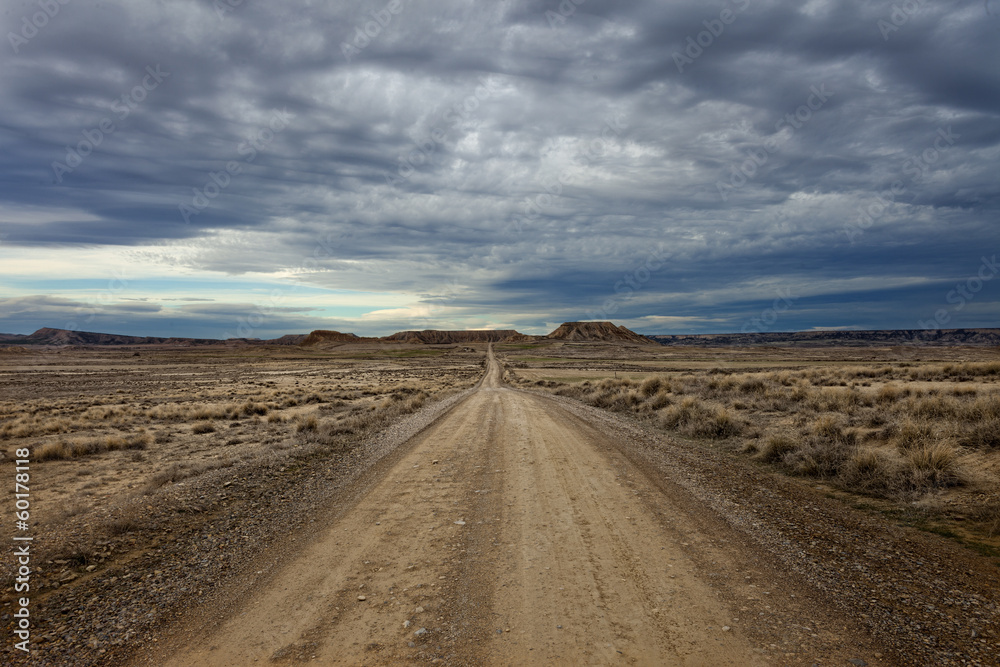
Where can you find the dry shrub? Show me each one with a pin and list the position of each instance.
(718, 387)
(250, 408)
(936, 466)
(61, 450)
(651, 386)
(890, 393)
(124, 520)
(775, 448)
(910, 435)
(178, 472)
(818, 458)
(843, 401)
(719, 426)
(185, 412)
(983, 409)
(611, 397)
(682, 414)
(784, 378)
(932, 407)
(799, 395)
(983, 435)
(873, 471)
(174, 473)
(571, 390)
(307, 424)
(203, 427)
(375, 417)
(52, 451)
(755, 386)
(659, 400)
(78, 553)
(829, 427)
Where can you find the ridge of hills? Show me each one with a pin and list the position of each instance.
(570, 331)
(606, 332)
(980, 337)
(434, 337)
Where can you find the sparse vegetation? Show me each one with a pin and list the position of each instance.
(893, 431)
(70, 449)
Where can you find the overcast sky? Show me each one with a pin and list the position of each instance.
(225, 168)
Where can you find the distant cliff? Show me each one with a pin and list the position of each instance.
(322, 337)
(433, 337)
(977, 337)
(605, 332)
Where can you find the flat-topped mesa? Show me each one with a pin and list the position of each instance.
(434, 337)
(322, 336)
(50, 336)
(605, 332)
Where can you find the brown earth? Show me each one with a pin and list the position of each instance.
(522, 528)
(435, 337)
(527, 528)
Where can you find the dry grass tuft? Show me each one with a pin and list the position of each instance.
(775, 448)
(936, 466)
(651, 386)
(983, 435)
(307, 424)
(71, 449)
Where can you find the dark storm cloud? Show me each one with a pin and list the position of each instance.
(532, 152)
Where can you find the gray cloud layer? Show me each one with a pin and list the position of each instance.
(845, 151)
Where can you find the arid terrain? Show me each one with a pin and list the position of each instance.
(546, 501)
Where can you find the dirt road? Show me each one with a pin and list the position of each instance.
(511, 534)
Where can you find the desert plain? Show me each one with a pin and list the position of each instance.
(514, 502)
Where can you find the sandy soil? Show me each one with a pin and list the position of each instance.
(511, 533)
(494, 526)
